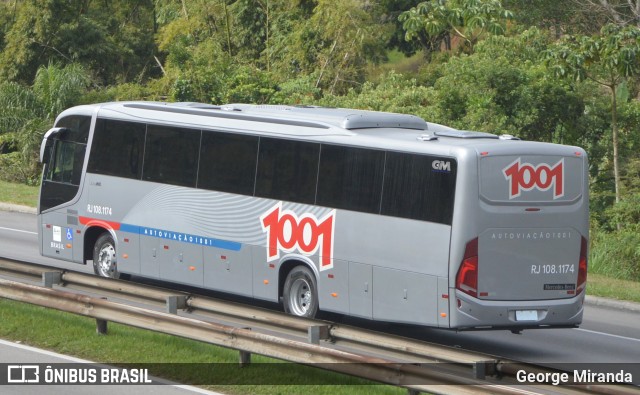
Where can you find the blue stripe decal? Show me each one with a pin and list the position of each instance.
(129, 228)
(181, 237)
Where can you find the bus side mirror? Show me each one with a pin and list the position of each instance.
(47, 143)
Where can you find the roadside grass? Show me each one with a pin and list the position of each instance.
(170, 357)
(607, 287)
(19, 194)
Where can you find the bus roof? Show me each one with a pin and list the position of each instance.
(371, 128)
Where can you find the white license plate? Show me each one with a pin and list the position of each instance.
(526, 315)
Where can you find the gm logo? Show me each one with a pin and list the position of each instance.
(441, 165)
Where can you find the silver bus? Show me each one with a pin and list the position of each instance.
(376, 215)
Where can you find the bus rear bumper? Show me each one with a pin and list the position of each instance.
(470, 313)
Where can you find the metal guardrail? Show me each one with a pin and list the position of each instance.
(396, 360)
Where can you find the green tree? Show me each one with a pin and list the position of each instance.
(559, 17)
(502, 88)
(619, 12)
(608, 59)
(336, 43)
(470, 20)
(27, 112)
(113, 39)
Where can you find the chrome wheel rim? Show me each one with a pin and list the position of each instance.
(300, 297)
(107, 260)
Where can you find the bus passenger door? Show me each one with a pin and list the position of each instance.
(63, 155)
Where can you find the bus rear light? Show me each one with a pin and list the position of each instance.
(582, 267)
(467, 278)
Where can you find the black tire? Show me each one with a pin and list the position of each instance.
(105, 259)
(300, 293)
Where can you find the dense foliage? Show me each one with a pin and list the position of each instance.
(564, 72)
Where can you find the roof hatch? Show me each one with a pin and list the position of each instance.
(465, 134)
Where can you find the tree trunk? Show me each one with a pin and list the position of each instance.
(227, 28)
(614, 131)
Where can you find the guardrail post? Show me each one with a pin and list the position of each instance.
(101, 325)
(49, 279)
(316, 333)
(482, 369)
(176, 302)
(245, 356)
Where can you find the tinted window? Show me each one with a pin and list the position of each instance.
(117, 149)
(350, 178)
(66, 167)
(228, 162)
(171, 155)
(287, 170)
(79, 125)
(414, 189)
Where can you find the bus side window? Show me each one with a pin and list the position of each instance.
(228, 162)
(117, 148)
(350, 178)
(287, 170)
(414, 189)
(171, 155)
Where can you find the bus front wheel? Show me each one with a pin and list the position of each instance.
(300, 294)
(104, 257)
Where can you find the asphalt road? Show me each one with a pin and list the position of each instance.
(608, 339)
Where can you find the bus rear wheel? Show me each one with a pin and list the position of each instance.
(104, 257)
(300, 294)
